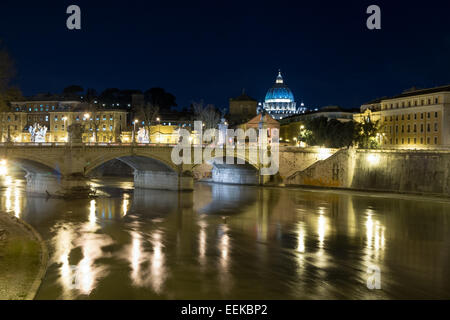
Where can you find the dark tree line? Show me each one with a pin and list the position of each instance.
(332, 133)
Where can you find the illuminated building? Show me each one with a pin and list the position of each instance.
(57, 116)
(279, 101)
(417, 118)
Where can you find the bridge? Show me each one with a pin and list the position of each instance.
(63, 169)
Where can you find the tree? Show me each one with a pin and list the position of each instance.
(7, 70)
(159, 97)
(10, 94)
(366, 134)
(91, 94)
(147, 114)
(330, 133)
(207, 114)
(110, 95)
(72, 90)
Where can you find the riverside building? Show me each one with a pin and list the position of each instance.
(415, 119)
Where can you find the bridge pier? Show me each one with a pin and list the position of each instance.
(57, 185)
(163, 180)
(236, 175)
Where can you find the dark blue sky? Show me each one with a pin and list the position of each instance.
(211, 50)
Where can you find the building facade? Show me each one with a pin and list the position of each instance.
(242, 108)
(413, 119)
(100, 125)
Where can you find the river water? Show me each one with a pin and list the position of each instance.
(238, 242)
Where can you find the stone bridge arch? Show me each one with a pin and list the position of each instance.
(152, 170)
(137, 160)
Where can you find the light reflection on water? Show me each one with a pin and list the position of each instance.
(236, 242)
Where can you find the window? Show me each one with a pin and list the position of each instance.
(436, 127)
(415, 140)
(428, 127)
(421, 128)
(428, 140)
(415, 128)
(435, 114)
(110, 128)
(403, 141)
(409, 117)
(56, 118)
(415, 116)
(415, 103)
(428, 115)
(429, 101)
(409, 140)
(435, 140)
(421, 140)
(396, 129)
(403, 128)
(409, 130)
(436, 100)
(421, 116)
(403, 117)
(56, 128)
(104, 127)
(421, 102)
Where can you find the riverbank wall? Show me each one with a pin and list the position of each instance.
(403, 171)
(23, 259)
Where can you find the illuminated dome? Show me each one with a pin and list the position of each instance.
(279, 101)
(279, 92)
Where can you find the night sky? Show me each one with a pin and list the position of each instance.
(211, 50)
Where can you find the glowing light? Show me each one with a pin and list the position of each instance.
(125, 204)
(321, 226)
(87, 116)
(301, 238)
(373, 159)
(3, 167)
(324, 153)
(202, 241)
(92, 217)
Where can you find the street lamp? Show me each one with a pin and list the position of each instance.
(134, 129)
(65, 128)
(159, 130)
(86, 117)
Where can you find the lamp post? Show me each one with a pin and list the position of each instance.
(86, 118)
(159, 130)
(65, 128)
(134, 130)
